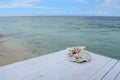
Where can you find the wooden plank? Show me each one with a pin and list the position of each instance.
(55, 66)
(86, 70)
(19, 70)
(117, 76)
(104, 70)
(111, 75)
(36, 60)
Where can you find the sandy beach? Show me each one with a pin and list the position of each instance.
(12, 51)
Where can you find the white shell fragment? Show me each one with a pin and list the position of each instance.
(78, 54)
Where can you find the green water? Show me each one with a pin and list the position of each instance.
(43, 35)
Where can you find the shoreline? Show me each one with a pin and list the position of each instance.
(12, 51)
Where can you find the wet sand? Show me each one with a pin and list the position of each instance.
(12, 51)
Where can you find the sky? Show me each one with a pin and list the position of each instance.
(60, 7)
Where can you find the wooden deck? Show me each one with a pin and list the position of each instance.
(56, 66)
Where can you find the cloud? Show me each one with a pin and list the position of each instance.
(18, 3)
(112, 3)
(96, 12)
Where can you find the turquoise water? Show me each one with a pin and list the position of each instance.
(43, 35)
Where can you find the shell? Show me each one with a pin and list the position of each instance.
(77, 49)
(81, 55)
(73, 59)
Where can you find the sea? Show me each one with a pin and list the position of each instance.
(43, 35)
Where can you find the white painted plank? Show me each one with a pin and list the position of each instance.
(36, 60)
(103, 71)
(118, 76)
(55, 66)
(23, 68)
(65, 70)
(86, 70)
(113, 72)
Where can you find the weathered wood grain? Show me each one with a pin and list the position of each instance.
(56, 66)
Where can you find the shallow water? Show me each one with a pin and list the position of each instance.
(43, 35)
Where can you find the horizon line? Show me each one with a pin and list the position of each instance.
(57, 16)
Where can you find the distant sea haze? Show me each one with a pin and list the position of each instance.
(43, 35)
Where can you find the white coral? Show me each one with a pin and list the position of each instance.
(80, 55)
